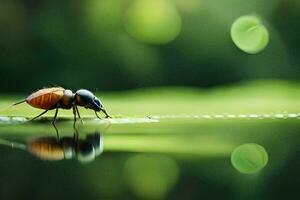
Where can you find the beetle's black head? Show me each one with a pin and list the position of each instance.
(88, 100)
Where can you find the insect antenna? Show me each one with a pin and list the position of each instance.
(17, 103)
(24, 100)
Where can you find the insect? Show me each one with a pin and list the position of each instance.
(58, 97)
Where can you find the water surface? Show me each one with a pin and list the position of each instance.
(153, 157)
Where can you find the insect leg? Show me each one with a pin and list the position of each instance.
(97, 115)
(106, 115)
(38, 115)
(53, 122)
(74, 113)
(78, 114)
(55, 115)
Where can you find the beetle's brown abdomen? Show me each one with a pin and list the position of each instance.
(45, 98)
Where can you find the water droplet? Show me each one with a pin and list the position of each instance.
(231, 116)
(279, 116)
(4, 120)
(207, 116)
(292, 115)
(218, 116)
(242, 116)
(255, 116)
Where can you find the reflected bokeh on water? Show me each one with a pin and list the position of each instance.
(172, 159)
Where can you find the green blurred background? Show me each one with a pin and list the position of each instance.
(124, 44)
(114, 45)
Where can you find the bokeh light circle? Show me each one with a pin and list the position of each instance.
(151, 176)
(153, 21)
(249, 34)
(249, 158)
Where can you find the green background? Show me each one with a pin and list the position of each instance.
(87, 44)
(169, 61)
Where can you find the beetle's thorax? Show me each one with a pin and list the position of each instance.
(67, 100)
(83, 97)
(78, 101)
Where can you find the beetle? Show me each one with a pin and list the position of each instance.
(58, 97)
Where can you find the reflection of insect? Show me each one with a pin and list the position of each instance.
(50, 148)
(58, 97)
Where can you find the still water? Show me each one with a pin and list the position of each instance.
(148, 158)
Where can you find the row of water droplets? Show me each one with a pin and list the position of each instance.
(281, 115)
(156, 118)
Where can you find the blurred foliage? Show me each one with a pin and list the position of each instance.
(99, 44)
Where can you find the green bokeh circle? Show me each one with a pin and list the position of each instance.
(153, 21)
(249, 158)
(249, 34)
